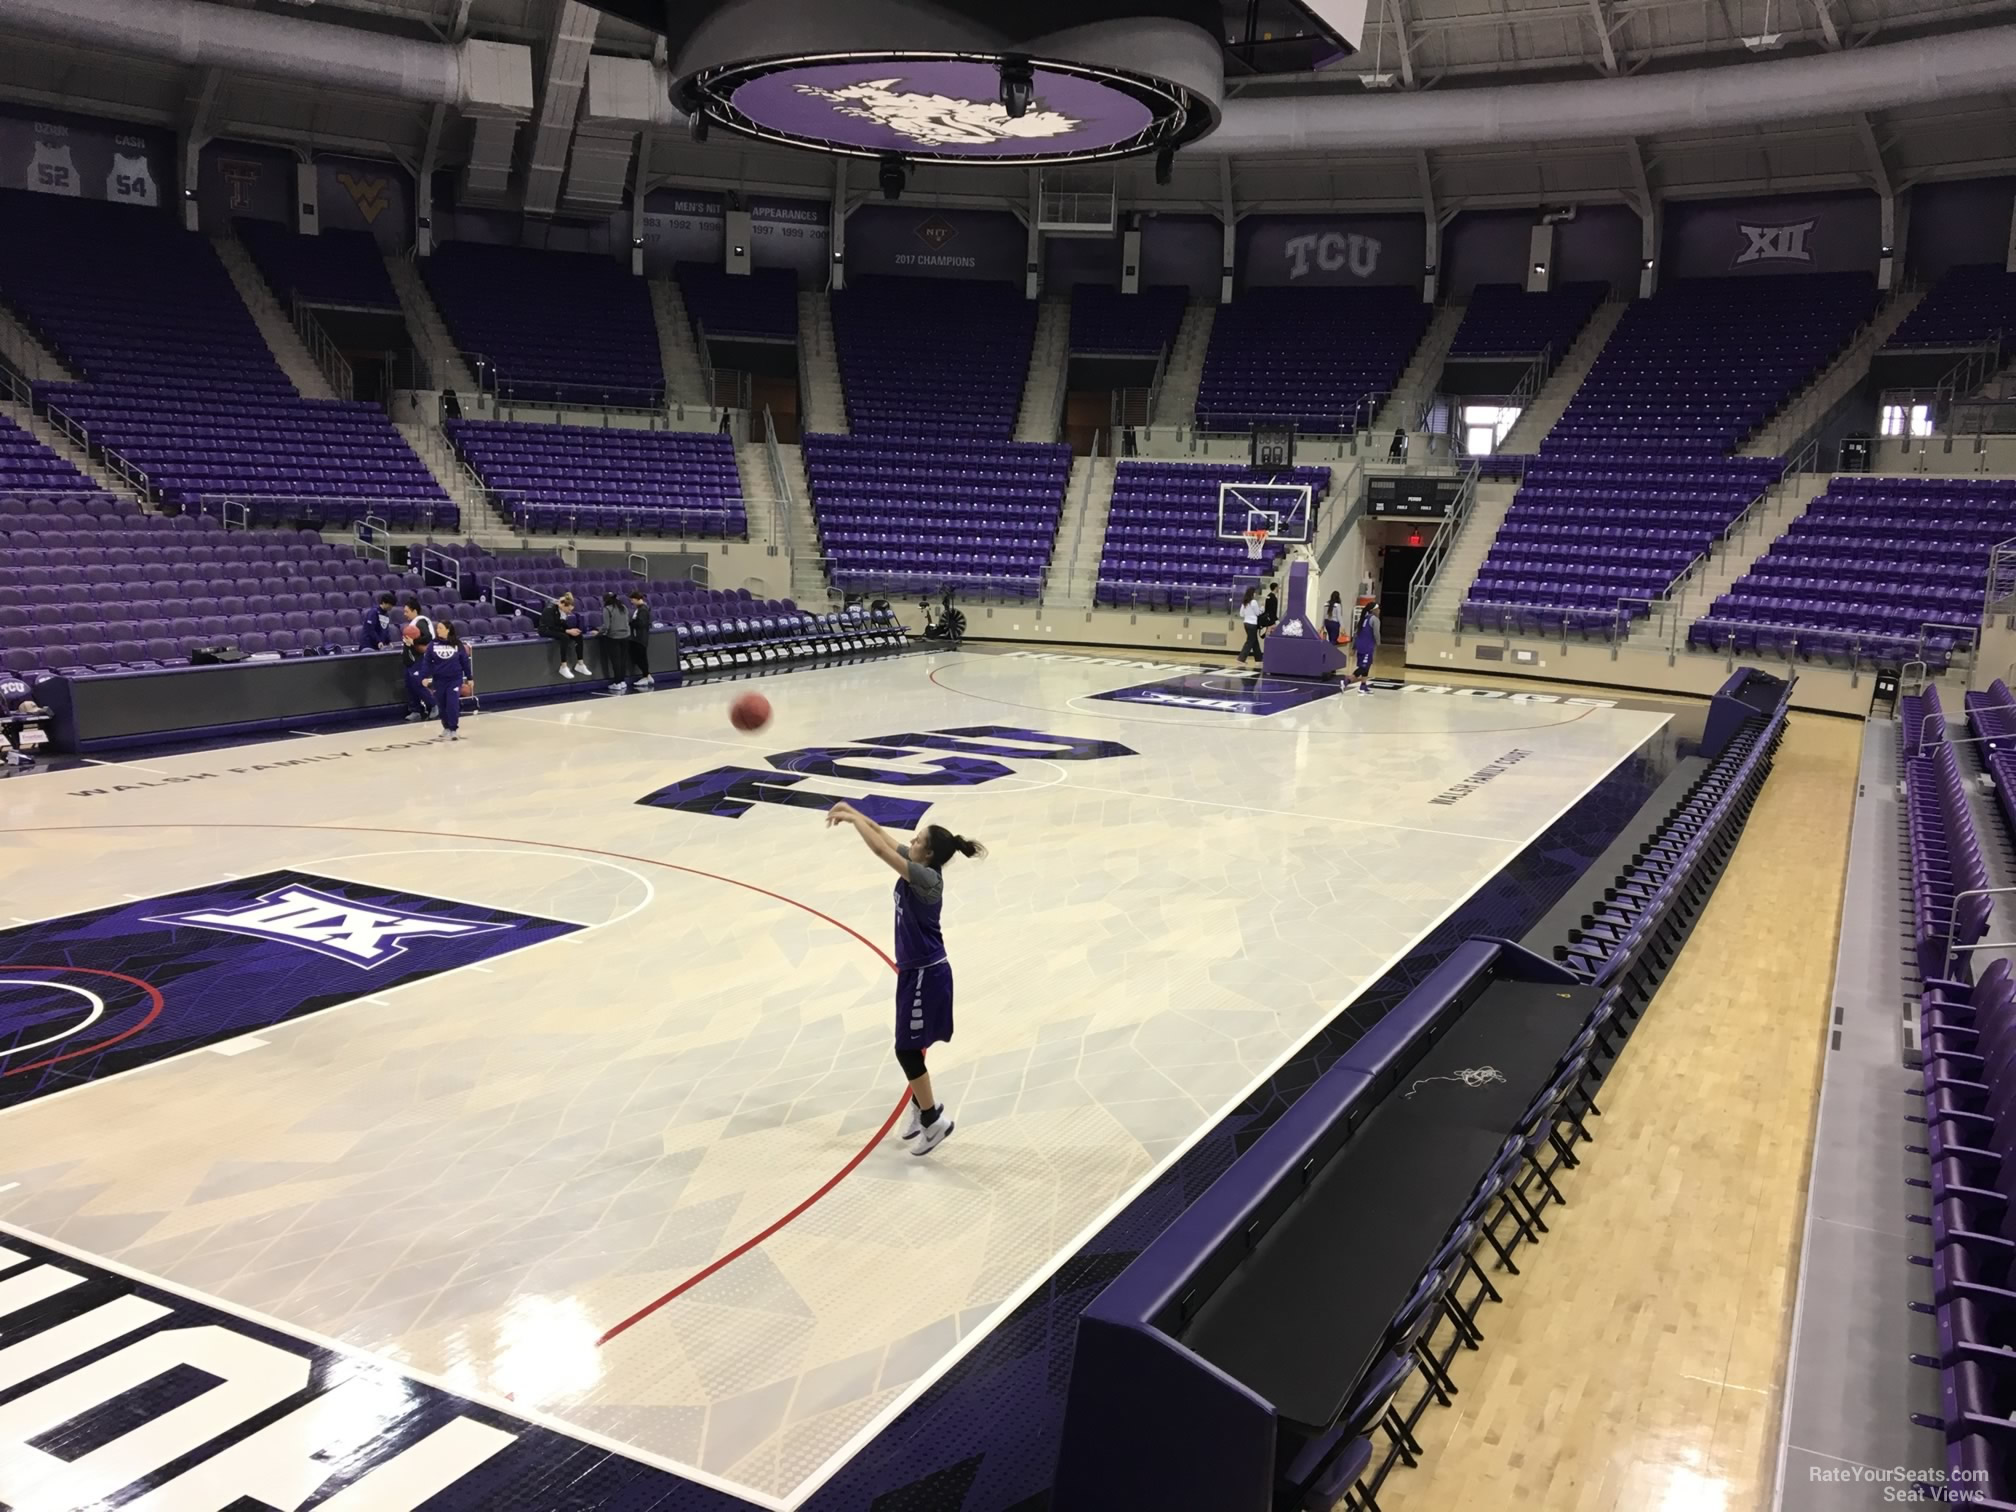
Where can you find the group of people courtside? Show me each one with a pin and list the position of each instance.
(441, 673)
(1260, 616)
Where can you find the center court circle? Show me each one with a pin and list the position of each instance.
(95, 1011)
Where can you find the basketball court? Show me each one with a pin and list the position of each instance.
(552, 1068)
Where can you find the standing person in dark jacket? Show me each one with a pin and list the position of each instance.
(380, 626)
(640, 637)
(416, 632)
(616, 642)
(561, 622)
(1270, 612)
(448, 669)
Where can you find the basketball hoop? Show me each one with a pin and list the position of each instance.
(1256, 543)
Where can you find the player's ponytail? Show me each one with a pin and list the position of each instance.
(945, 845)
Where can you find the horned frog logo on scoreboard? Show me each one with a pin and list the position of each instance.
(936, 120)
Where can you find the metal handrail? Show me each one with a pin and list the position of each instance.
(1439, 548)
(366, 533)
(432, 559)
(783, 504)
(1337, 522)
(1084, 509)
(322, 350)
(502, 589)
(297, 506)
(1953, 916)
(1858, 640)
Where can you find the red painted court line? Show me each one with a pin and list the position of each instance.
(587, 850)
(748, 1244)
(153, 1013)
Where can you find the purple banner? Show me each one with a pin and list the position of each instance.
(91, 995)
(1316, 251)
(1965, 221)
(1808, 233)
(938, 108)
(690, 225)
(82, 157)
(1224, 693)
(252, 180)
(936, 243)
(357, 194)
(1183, 249)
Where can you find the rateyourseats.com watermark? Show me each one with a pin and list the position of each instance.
(1953, 1488)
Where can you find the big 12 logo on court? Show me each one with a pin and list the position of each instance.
(964, 757)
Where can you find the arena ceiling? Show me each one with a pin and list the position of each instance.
(1409, 48)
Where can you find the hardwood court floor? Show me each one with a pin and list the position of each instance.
(1639, 1361)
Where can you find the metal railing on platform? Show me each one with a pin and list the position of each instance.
(323, 351)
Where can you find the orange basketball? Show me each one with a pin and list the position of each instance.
(749, 712)
(411, 632)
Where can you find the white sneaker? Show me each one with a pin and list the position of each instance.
(929, 1139)
(618, 689)
(414, 716)
(645, 682)
(566, 671)
(455, 735)
(913, 1120)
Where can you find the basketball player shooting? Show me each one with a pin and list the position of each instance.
(923, 974)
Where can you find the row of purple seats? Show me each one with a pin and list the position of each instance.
(1968, 1033)
(1856, 644)
(1917, 544)
(1503, 320)
(596, 514)
(1706, 362)
(1311, 358)
(1991, 719)
(1971, 305)
(177, 379)
(556, 326)
(760, 305)
(606, 480)
(1106, 322)
(1162, 546)
(900, 515)
(933, 358)
(342, 268)
(1571, 543)
(1950, 909)
(28, 468)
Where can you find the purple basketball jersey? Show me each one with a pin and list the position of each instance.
(920, 899)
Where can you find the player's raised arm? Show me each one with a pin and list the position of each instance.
(872, 835)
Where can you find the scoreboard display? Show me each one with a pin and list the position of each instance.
(1411, 498)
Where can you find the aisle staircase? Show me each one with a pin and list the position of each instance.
(481, 520)
(1176, 402)
(1049, 363)
(1073, 573)
(1840, 378)
(282, 340)
(1476, 532)
(428, 330)
(1417, 382)
(819, 367)
(678, 352)
(1555, 394)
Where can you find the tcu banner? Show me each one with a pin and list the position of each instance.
(76, 157)
(1317, 251)
(1810, 233)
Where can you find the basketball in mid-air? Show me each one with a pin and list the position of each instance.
(749, 712)
(411, 632)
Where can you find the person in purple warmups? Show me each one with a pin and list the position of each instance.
(923, 974)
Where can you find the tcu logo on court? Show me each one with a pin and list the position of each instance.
(333, 927)
(1776, 243)
(1333, 251)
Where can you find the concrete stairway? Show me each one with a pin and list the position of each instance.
(1423, 371)
(1049, 361)
(100, 475)
(685, 380)
(481, 521)
(1839, 379)
(819, 367)
(760, 497)
(808, 565)
(1552, 401)
(274, 323)
(1735, 556)
(1466, 554)
(1177, 403)
(1073, 573)
(429, 331)
(38, 364)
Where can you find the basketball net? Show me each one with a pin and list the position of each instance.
(1256, 543)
